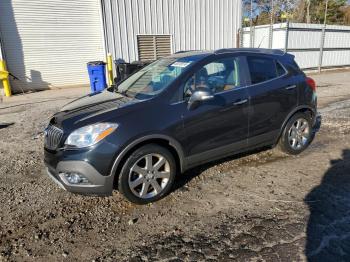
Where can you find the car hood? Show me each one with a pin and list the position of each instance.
(85, 108)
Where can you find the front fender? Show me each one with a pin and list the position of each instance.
(172, 142)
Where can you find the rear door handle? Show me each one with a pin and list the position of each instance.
(291, 87)
(240, 102)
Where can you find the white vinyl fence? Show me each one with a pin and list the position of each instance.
(313, 45)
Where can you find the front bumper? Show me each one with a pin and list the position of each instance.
(98, 184)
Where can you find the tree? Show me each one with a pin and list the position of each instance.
(346, 14)
(261, 10)
(308, 18)
(315, 11)
(334, 15)
(303, 11)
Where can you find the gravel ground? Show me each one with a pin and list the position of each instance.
(260, 206)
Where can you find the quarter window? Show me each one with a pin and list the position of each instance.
(217, 76)
(280, 70)
(263, 69)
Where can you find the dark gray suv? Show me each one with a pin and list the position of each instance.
(179, 112)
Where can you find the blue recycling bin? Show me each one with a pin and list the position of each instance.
(97, 75)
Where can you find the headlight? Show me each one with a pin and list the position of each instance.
(90, 135)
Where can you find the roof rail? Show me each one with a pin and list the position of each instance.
(186, 51)
(251, 50)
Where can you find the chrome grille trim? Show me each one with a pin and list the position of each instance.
(53, 136)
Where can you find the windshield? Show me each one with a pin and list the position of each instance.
(154, 78)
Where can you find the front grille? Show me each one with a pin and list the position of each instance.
(53, 136)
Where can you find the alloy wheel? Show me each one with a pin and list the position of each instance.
(299, 134)
(149, 176)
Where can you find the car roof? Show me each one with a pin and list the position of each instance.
(190, 53)
(204, 53)
(251, 50)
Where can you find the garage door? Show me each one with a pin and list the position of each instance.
(47, 43)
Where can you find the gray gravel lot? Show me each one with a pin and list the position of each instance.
(259, 206)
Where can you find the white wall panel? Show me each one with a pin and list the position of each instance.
(337, 39)
(304, 41)
(246, 38)
(279, 39)
(193, 24)
(261, 37)
(48, 43)
(336, 58)
(306, 59)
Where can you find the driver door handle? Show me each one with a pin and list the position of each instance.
(291, 87)
(240, 102)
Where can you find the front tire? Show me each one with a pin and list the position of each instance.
(297, 134)
(147, 175)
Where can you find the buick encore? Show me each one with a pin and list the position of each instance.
(176, 113)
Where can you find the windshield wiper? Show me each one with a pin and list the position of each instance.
(124, 92)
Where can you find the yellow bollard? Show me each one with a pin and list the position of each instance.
(4, 76)
(109, 69)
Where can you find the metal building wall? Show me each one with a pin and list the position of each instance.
(193, 24)
(48, 43)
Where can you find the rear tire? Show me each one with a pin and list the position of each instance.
(297, 134)
(147, 175)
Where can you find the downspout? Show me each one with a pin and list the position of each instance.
(108, 56)
(103, 27)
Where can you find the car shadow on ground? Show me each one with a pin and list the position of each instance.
(4, 125)
(185, 178)
(328, 229)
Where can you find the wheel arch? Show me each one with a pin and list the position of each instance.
(169, 143)
(299, 109)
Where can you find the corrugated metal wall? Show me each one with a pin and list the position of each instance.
(261, 35)
(193, 24)
(48, 43)
(304, 41)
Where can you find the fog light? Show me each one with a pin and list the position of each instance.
(75, 178)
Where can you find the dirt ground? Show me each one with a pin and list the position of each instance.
(260, 206)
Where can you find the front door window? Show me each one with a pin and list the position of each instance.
(218, 76)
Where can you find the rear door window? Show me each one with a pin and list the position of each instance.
(263, 69)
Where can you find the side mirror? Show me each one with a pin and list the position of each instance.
(199, 96)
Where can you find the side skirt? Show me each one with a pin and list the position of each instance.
(268, 139)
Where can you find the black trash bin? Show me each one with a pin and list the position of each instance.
(124, 70)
